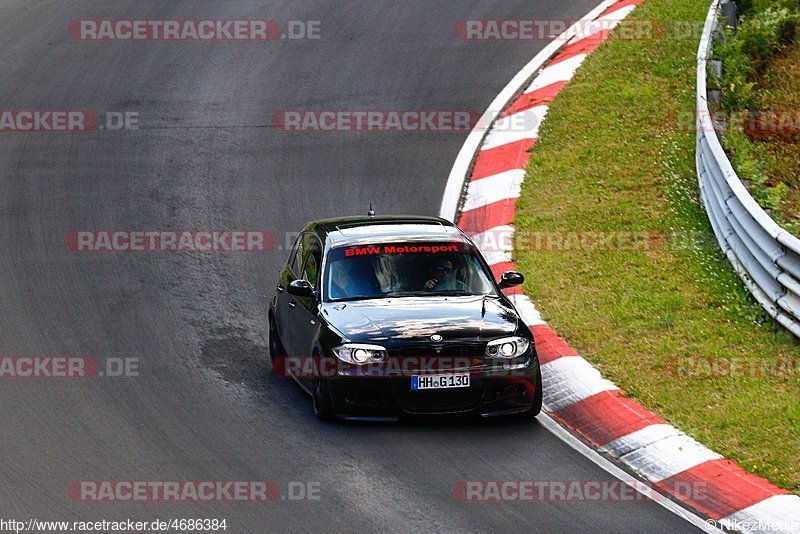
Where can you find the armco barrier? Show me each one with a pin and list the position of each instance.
(765, 256)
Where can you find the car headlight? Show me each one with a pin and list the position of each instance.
(360, 354)
(507, 347)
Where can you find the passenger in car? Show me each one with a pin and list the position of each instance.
(350, 278)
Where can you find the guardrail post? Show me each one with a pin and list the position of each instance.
(729, 11)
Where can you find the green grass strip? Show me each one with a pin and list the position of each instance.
(613, 156)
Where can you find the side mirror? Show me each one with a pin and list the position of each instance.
(300, 288)
(510, 279)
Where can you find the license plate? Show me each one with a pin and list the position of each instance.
(440, 381)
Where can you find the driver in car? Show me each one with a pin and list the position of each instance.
(442, 277)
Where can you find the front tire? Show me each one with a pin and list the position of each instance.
(538, 396)
(275, 345)
(321, 399)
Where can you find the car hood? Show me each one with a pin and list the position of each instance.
(396, 321)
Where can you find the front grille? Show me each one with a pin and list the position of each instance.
(451, 350)
(425, 359)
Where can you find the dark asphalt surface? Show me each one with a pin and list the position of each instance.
(205, 156)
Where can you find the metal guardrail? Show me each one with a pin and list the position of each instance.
(765, 256)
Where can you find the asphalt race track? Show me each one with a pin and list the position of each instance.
(204, 406)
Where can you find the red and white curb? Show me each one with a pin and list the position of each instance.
(489, 172)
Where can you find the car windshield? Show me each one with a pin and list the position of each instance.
(405, 269)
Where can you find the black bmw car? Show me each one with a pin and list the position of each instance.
(381, 317)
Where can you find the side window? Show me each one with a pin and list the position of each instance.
(312, 257)
(296, 257)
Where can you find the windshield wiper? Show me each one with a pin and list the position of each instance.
(419, 293)
(358, 297)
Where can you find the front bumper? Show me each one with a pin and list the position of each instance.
(491, 392)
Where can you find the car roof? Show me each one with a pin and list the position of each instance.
(357, 230)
